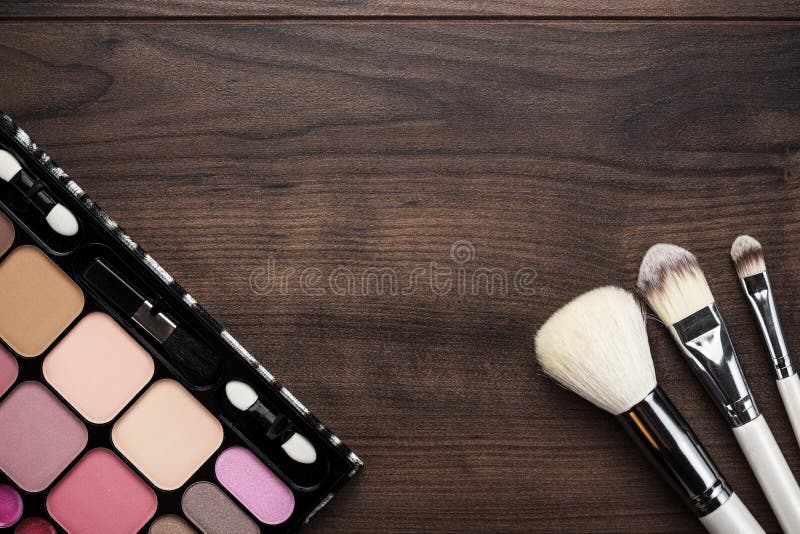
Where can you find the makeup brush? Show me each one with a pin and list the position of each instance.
(58, 217)
(671, 281)
(244, 398)
(748, 257)
(191, 358)
(596, 346)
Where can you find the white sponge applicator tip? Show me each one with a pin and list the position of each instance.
(241, 395)
(300, 449)
(62, 221)
(9, 166)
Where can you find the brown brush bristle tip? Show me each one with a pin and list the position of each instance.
(659, 261)
(748, 256)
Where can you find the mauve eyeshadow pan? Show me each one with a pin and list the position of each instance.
(213, 512)
(6, 234)
(40, 436)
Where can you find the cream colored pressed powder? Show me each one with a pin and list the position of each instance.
(38, 301)
(167, 434)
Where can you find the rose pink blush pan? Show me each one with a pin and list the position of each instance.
(101, 494)
(8, 370)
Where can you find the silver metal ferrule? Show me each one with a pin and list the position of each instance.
(758, 291)
(159, 325)
(706, 344)
(669, 443)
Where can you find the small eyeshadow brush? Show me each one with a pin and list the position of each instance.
(277, 427)
(596, 346)
(58, 217)
(748, 256)
(192, 358)
(672, 283)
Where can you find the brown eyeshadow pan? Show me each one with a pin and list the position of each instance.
(170, 524)
(38, 301)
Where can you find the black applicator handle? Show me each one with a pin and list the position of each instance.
(276, 425)
(113, 287)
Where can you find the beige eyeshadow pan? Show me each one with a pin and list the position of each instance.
(167, 434)
(38, 301)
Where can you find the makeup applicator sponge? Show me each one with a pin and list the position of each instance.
(60, 219)
(245, 399)
(9, 166)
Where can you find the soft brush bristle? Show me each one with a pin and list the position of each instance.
(596, 346)
(747, 256)
(672, 283)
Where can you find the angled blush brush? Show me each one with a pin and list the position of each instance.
(596, 346)
(672, 283)
(748, 257)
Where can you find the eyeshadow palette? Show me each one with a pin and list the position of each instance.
(124, 406)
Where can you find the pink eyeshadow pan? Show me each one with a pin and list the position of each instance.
(101, 494)
(98, 368)
(254, 485)
(8, 370)
(6, 234)
(40, 436)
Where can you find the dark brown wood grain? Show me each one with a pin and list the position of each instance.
(565, 149)
(32, 9)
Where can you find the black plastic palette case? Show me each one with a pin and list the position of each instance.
(124, 407)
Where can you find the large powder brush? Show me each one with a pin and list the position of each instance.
(596, 346)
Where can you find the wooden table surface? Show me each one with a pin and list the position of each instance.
(544, 143)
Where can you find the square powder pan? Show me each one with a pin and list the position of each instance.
(101, 237)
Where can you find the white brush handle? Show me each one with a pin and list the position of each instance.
(732, 517)
(772, 472)
(789, 388)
